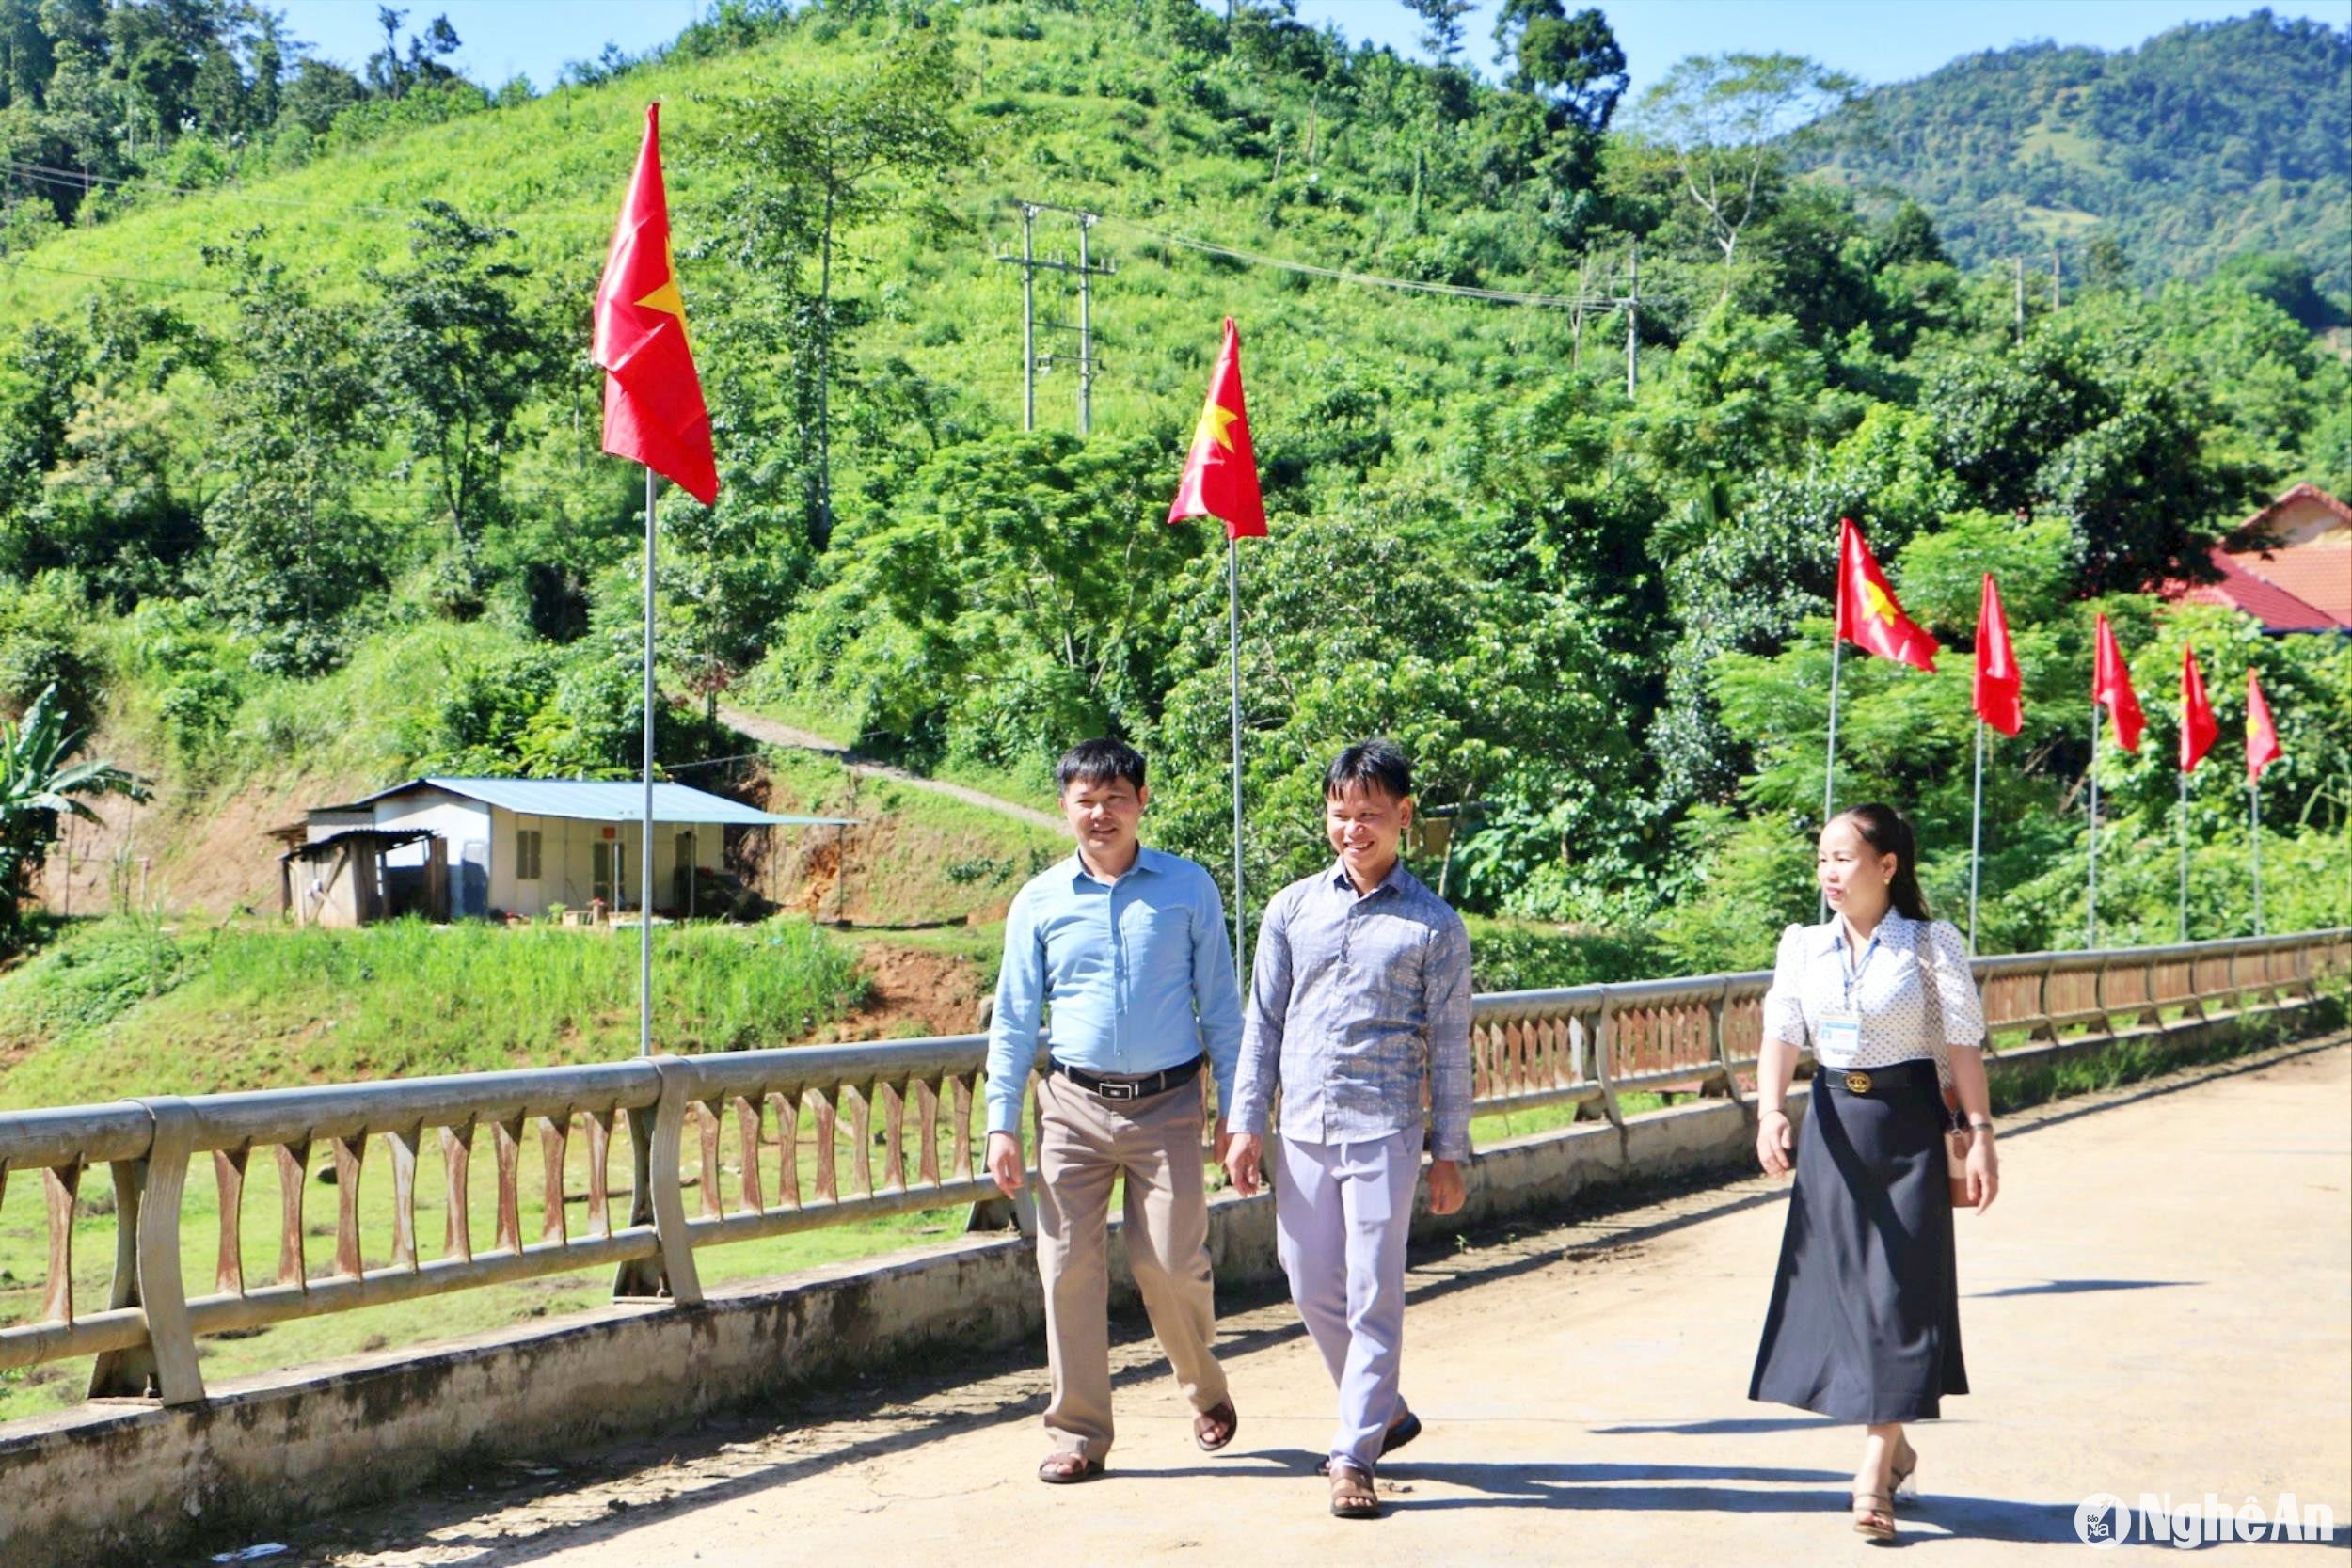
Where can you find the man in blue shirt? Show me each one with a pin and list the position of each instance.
(1127, 945)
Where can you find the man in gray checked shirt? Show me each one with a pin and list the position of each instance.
(1359, 996)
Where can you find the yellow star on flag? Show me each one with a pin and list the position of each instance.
(1877, 606)
(666, 298)
(1216, 421)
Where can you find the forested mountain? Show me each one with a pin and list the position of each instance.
(2206, 142)
(299, 460)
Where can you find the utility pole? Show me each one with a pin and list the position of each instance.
(1086, 330)
(1028, 317)
(1633, 322)
(1087, 270)
(2056, 278)
(2021, 300)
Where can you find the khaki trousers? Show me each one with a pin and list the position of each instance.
(1155, 1144)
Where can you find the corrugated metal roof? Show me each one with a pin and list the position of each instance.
(597, 801)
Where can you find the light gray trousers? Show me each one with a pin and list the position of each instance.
(1340, 1214)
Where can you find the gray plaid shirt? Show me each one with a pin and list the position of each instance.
(1354, 1002)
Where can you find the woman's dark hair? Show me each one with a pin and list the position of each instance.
(1884, 828)
(1377, 765)
(1099, 762)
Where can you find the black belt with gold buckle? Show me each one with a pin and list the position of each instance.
(1857, 1082)
(1130, 1088)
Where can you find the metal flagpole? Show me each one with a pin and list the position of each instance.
(2184, 835)
(1829, 772)
(2094, 823)
(1976, 840)
(1233, 596)
(2254, 811)
(644, 855)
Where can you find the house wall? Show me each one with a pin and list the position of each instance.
(567, 861)
(2304, 519)
(463, 825)
(326, 824)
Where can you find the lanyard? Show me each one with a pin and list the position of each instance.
(1850, 974)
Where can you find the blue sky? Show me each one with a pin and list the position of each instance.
(1878, 41)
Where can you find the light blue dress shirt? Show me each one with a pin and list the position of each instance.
(1138, 972)
(1357, 1003)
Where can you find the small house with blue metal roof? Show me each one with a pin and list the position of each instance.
(450, 848)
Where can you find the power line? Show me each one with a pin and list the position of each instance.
(13, 262)
(1344, 275)
(79, 180)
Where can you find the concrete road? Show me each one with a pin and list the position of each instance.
(2160, 1302)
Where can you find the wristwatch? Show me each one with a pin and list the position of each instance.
(1981, 1123)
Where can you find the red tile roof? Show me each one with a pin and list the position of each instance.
(2319, 574)
(2277, 609)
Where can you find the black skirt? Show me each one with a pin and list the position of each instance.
(1865, 1321)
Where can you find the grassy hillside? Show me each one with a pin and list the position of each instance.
(1540, 580)
(133, 1007)
(2205, 142)
(1065, 111)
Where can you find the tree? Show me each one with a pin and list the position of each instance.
(458, 352)
(1441, 26)
(2087, 418)
(1573, 60)
(1721, 117)
(833, 145)
(289, 552)
(392, 76)
(1013, 600)
(39, 782)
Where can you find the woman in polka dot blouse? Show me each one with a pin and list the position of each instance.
(1865, 1319)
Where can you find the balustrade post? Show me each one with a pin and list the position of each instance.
(1716, 1008)
(1604, 1047)
(2043, 1029)
(147, 1266)
(657, 1198)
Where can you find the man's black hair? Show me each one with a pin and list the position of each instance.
(1374, 763)
(1098, 761)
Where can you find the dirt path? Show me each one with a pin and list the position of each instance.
(2156, 1305)
(773, 734)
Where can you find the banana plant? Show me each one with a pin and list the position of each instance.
(40, 782)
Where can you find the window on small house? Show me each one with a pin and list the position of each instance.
(527, 854)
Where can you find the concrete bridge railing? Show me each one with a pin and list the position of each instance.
(808, 1152)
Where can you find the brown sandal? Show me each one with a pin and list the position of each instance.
(1352, 1496)
(1213, 1428)
(1401, 1432)
(1068, 1467)
(1875, 1524)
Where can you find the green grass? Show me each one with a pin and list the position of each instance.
(127, 1006)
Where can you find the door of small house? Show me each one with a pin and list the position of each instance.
(682, 873)
(604, 872)
(474, 877)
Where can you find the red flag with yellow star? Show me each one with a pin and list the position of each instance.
(2111, 684)
(1868, 614)
(1220, 473)
(2200, 729)
(2262, 736)
(653, 400)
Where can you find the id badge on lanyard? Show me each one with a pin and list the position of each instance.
(1841, 1027)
